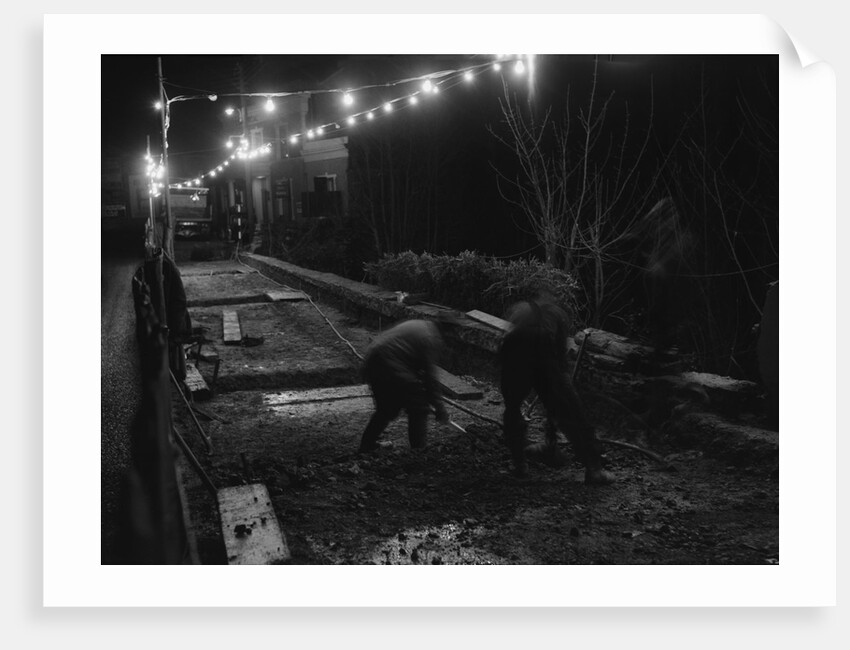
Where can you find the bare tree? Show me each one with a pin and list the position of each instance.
(578, 194)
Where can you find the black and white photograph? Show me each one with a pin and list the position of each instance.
(440, 309)
(464, 314)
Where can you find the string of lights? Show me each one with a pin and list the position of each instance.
(427, 85)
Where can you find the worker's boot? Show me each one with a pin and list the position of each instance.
(377, 424)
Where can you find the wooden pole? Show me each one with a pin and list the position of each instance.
(168, 234)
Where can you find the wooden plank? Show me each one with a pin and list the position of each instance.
(456, 387)
(195, 382)
(231, 327)
(250, 528)
(489, 319)
(277, 296)
(317, 395)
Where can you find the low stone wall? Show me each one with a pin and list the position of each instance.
(610, 363)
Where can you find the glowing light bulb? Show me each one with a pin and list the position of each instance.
(229, 144)
(370, 115)
(311, 134)
(427, 86)
(212, 98)
(347, 99)
(497, 66)
(519, 68)
(320, 130)
(468, 75)
(219, 168)
(229, 110)
(388, 107)
(293, 139)
(351, 121)
(414, 99)
(269, 105)
(158, 106)
(212, 173)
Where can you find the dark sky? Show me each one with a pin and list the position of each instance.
(130, 88)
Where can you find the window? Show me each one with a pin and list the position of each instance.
(326, 183)
(256, 138)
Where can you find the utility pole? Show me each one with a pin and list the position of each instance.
(151, 234)
(249, 207)
(168, 233)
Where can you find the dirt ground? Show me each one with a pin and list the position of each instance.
(456, 501)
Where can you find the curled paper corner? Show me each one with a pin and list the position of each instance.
(794, 47)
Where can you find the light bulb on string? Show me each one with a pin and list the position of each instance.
(497, 66)
(347, 99)
(311, 134)
(519, 68)
(388, 107)
(414, 99)
(351, 121)
(468, 76)
(370, 115)
(427, 86)
(293, 139)
(320, 130)
(269, 105)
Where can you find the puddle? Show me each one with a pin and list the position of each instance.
(450, 543)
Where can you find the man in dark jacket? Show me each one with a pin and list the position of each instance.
(534, 356)
(400, 367)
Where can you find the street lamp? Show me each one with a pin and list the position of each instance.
(230, 110)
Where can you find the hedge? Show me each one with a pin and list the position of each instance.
(472, 281)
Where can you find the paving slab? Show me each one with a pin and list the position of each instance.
(317, 395)
(285, 294)
(456, 387)
(226, 289)
(249, 525)
(195, 383)
(489, 319)
(231, 329)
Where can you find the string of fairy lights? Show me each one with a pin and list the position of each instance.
(424, 87)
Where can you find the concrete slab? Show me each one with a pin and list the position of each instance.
(489, 319)
(228, 288)
(195, 383)
(317, 395)
(220, 267)
(249, 525)
(231, 328)
(455, 387)
(284, 295)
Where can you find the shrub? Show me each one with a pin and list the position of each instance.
(471, 280)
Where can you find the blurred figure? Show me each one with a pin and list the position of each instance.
(400, 367)
(176, 317)
(534, 356)
(663, 247)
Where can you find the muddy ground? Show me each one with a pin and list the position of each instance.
(455, 502)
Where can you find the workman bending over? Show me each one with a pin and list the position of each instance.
(534, 356)
(400, 366)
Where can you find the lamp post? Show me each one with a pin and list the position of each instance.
(168, 235)
(240, 115)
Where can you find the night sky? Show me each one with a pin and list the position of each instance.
(661, 90)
